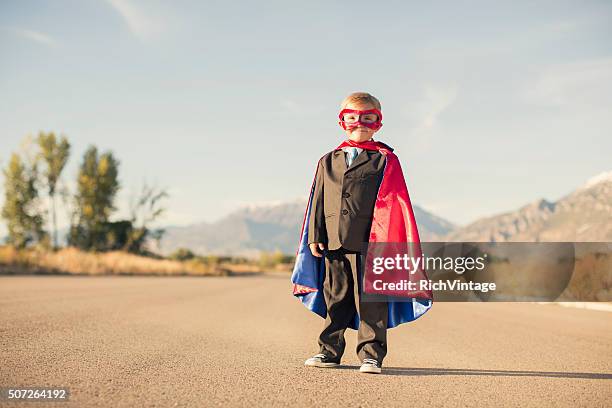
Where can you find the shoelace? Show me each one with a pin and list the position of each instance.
(370, 361)
(322, 356)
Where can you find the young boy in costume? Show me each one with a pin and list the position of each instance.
(358, 196)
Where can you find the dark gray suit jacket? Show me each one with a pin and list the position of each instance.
(343, 199)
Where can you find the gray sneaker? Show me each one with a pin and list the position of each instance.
(370, 366)
(320, 360)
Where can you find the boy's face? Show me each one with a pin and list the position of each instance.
(360, 133)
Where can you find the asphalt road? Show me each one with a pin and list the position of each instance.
(242, 341)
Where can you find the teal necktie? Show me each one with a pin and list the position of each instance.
(351, 154)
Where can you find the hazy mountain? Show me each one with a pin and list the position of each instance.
(252, 229)
(431, 227)
(583, 215)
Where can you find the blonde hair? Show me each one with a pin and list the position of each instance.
(361, 98)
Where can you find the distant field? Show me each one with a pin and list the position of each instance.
(72, 261)
(591, 279)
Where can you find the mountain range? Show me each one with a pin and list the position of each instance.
(584, 214)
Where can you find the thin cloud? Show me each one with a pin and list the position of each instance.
(36, 36)
(587, 82)
(426, 112)
(141, 25)
(290, 106)
(508, 41)
(436, 101)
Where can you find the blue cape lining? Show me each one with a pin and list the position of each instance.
(309, 271)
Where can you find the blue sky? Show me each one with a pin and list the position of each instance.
(489, 105)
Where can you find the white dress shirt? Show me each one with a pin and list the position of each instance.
(346, 156)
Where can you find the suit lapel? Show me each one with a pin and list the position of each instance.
(340, 160)
(361, 158)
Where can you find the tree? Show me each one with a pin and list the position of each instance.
(182, 254)
(55, 155)
(144, 211)
(20, 210)
(97, 185)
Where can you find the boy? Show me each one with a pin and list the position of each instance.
(338, 225)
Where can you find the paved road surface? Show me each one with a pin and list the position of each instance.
(156, 341)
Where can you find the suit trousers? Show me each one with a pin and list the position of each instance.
(341, 289)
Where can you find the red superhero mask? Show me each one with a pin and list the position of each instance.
(351, 118)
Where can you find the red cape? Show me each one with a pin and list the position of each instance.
(393, 221)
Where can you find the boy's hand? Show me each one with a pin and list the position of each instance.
(315, 247)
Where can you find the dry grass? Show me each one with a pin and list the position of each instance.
(591, 280)
(75, 262)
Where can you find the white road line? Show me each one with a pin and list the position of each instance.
(602, 306)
